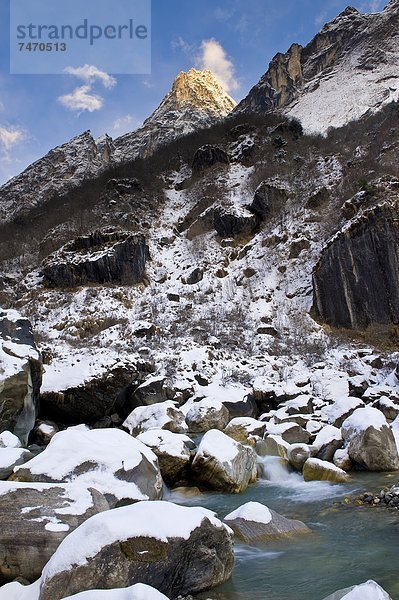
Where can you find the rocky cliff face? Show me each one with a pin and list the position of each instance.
(348, 69)
(101, 257)
(356, 279)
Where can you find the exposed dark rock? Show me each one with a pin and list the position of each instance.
(230, 222)
(267, 199)
(91, 401)
(207, 156)
(194, 277)
(243, 408)
(355, 282)
(100, 257)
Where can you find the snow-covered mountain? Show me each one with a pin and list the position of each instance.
(216, 272)
(196, 101)
(349, 69)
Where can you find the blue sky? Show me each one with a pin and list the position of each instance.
(237, 37)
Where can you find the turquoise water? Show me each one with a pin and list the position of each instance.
(349, 544)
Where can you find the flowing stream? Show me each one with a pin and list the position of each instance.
(349, 544)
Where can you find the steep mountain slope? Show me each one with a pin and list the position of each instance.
(226, 220)
(195, 102)
(349, 69)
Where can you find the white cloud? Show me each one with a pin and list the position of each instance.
(82, 99)
(125, 124)
(90, 73)
(213, 56)
(10, 136)
(180, 43)
(373, 5)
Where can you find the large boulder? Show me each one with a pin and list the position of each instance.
(174, 452)
(267, 199)
(290, 432)
(254, 522)
(207, 414)
(97, 397)
(370, 441)
(315, 469)
(35, 518)
(336, 413)
(157, 416)
(207, 156)
(365, 591)
(355, 280)
(20, 375)
(119, 466)
(10, 458)
(224, 464)
(242, 429)
(327, 441)
(100, 257)
(177, 550)
(234, 221)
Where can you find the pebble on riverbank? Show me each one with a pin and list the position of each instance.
(388, 497)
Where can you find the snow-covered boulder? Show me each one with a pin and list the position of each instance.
(207, 414)
(35, 518)
(388, 407)
(17, 591)
(10, 458)
(315, 469)
(139, 591)
(254, 522)
(9, 440)
(43, 432)
(241, 429)
(365, 591)
(20, 375)
(292, 433)
(224, 464)
(176, 549)
(298, 454)
(174, 452)
(370, 440)
(157, 416)
(300, 405)
(336, 413)
(110, 460)
(342, 459)
(327, 441)
(273, 445)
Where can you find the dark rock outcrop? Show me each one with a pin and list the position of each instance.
(267, 198)
(355, 282)
(207, 156)
(20, 375)
(230, 222)
(100, 257)
(97, 398)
